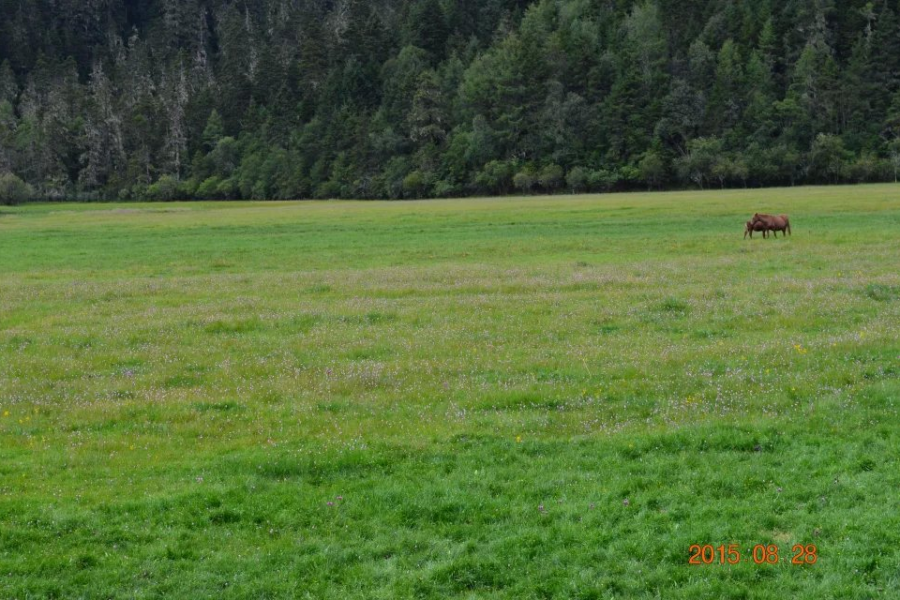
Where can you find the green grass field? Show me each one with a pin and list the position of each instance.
(492, 398)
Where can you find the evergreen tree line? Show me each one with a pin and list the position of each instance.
(264, 99)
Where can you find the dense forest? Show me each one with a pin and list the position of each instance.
(228, 99)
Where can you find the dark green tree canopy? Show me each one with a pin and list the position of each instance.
(266, 99)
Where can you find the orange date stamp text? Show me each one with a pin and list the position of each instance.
(760, 554)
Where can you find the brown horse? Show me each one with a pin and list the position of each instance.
(751, 227)
(773, 223)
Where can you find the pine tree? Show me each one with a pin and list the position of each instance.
(103, 131)
(214, 130)
(9, 88)
(728, 97)
(428, 119)
(177, 97)
(429, 28)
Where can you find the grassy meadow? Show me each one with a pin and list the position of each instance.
(513, 398)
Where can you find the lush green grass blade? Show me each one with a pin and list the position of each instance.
(513, 398)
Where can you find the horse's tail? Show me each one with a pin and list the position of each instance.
(787, 224)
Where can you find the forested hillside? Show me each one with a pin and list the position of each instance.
(169, 99)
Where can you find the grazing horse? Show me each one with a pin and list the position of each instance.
(758, 226)
(773, 223)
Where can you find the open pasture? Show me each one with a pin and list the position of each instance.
(498, 398)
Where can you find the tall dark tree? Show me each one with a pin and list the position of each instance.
(9, 88)
(396, 98)
(428, 28)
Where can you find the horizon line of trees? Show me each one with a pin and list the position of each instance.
(269, 99)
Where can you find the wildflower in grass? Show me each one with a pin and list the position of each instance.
(330, 503)
(339, 498)
(518, 439)
(541, 507)
(625, 502)
(5, 413)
